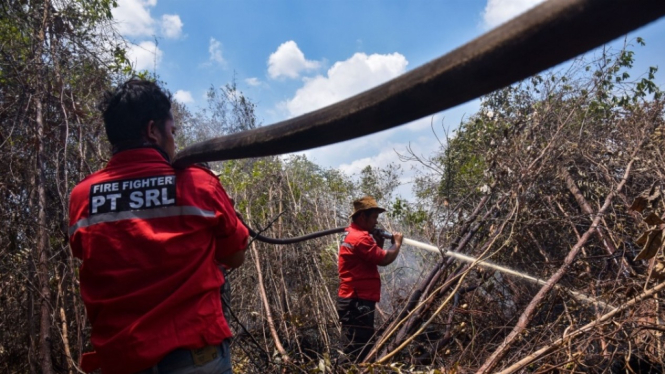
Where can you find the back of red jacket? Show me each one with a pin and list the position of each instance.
(151, 238)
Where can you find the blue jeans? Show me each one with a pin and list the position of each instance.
(181, 361)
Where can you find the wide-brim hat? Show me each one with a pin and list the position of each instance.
(365, 203)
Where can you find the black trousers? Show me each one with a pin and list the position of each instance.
(357, 319)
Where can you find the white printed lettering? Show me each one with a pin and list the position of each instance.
(165, 197)
(97, 201)
(151, 197)
(113, 198)
(137, 200)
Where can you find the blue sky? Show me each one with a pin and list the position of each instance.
(291, 57)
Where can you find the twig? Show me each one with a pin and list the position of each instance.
(588, 327)
(451, 295)
(528, 313)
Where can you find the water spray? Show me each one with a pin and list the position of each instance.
(508, 271)
(430, 248)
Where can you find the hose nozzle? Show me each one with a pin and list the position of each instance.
(383, 233)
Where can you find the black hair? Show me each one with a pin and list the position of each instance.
(128, 109)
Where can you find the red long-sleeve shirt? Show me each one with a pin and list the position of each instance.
(359, 257)
(151, 239)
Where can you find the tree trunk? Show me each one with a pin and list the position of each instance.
(42, 247)
(264, 299)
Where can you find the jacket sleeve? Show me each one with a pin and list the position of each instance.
(368, 250)
(230, 232)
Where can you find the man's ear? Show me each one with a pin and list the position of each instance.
(358, 219)
(152, 132)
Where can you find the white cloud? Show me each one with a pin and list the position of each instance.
(385, 153)
(133, 17)
(288, 61)
(184, 97)
(215, 50)
(344, 155)
(383, 159)
(144, 56)
(253, 81)
(499, 11)
(171, 26)
(345, 79)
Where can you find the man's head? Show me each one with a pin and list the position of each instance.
(139, 111)
(366, 213)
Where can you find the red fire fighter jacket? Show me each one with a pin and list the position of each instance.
(151, 238)
(359, 256)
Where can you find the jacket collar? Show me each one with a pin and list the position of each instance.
(142, 155)
(354, 226)
(138, 143)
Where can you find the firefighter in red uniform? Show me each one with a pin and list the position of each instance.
(360, 252)
(151, 239)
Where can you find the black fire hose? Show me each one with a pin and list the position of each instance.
(297, 239)
(545, 36)
(257, 236)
